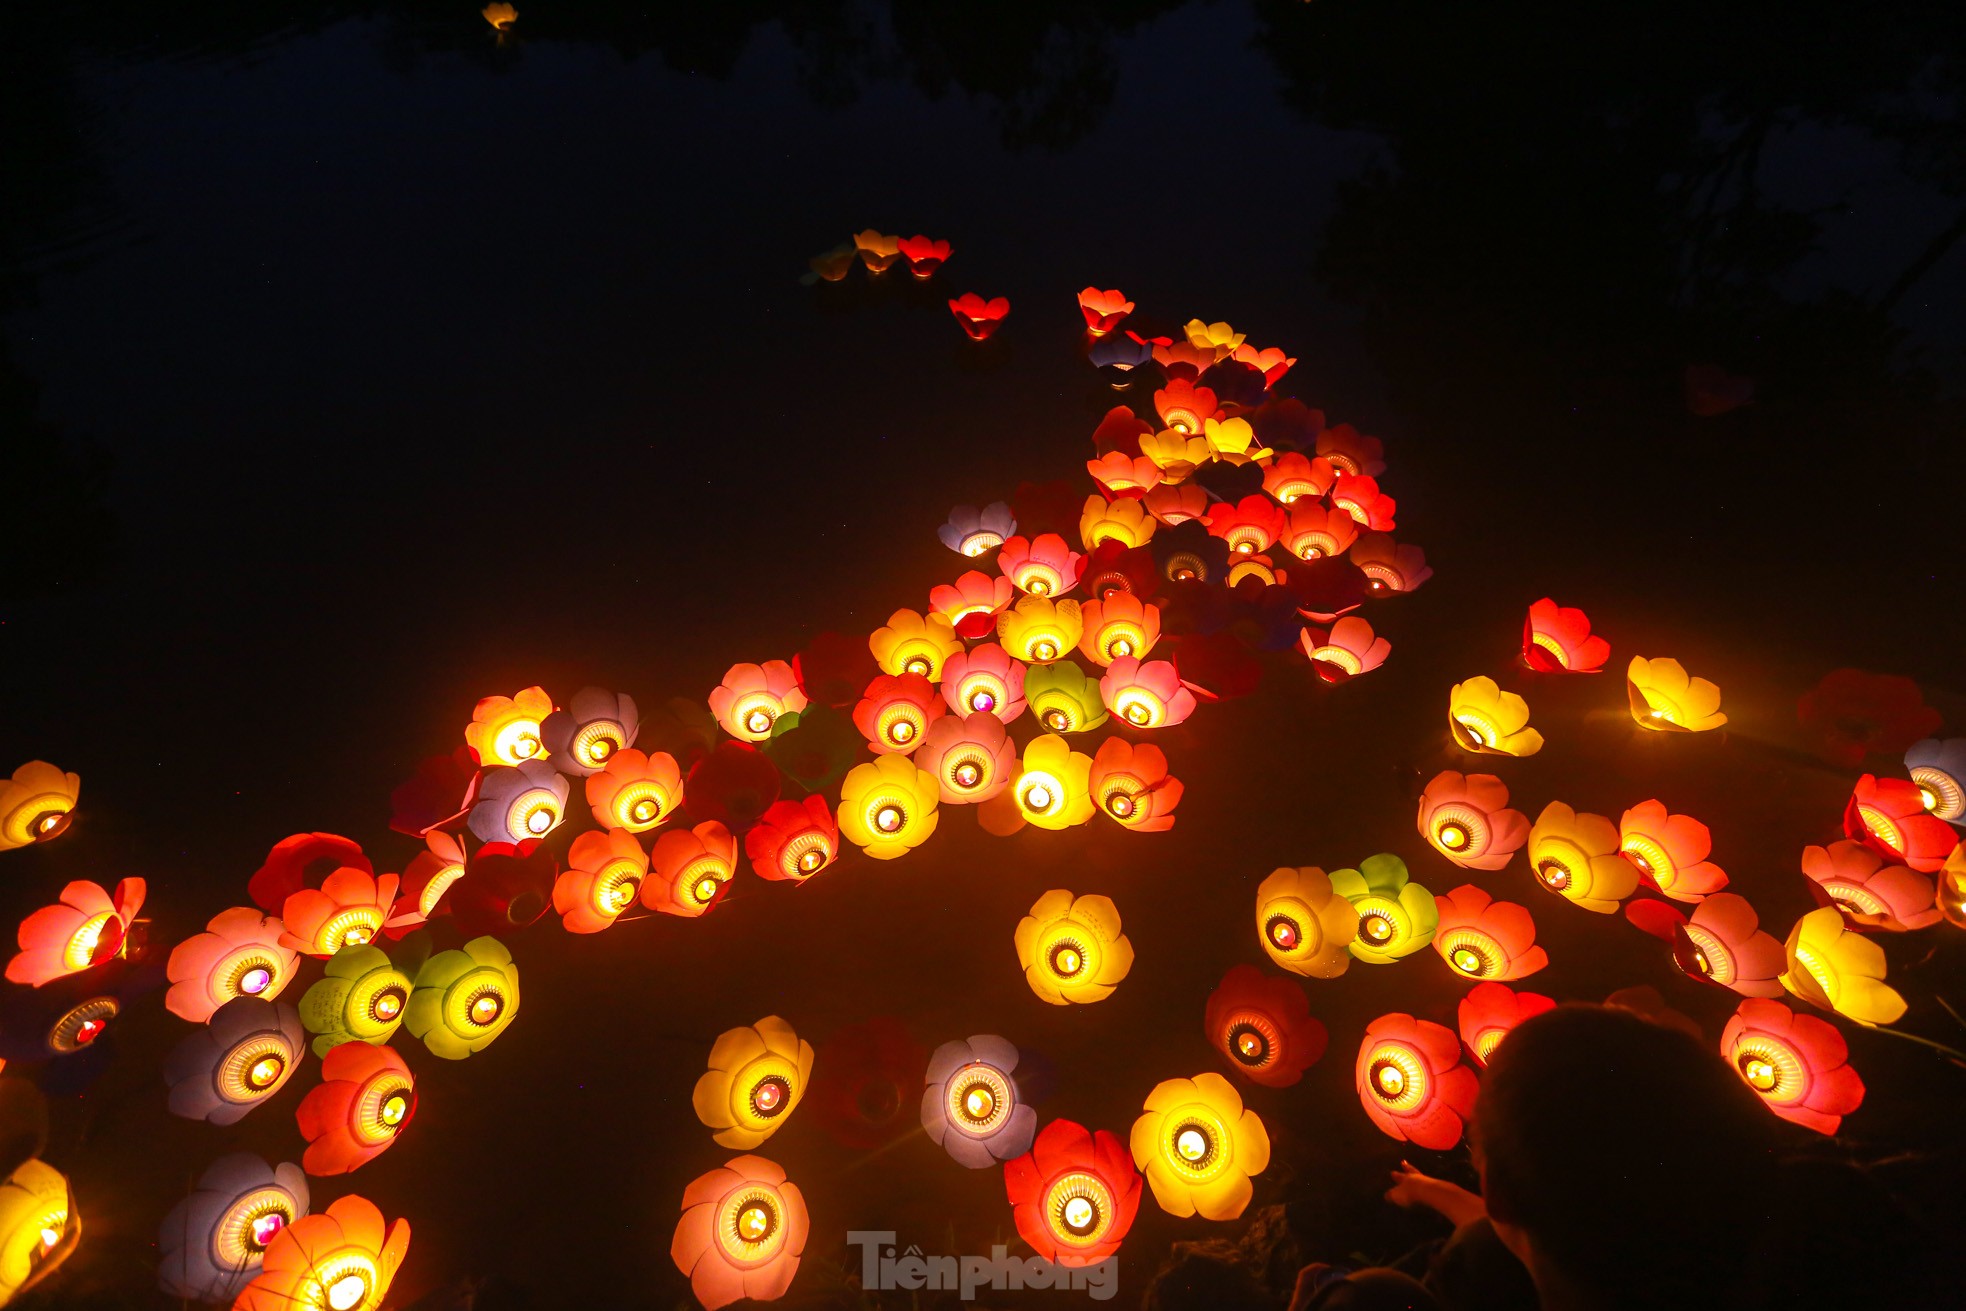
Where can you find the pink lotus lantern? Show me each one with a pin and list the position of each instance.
(1041, 566)
(1870, 893)
(1558, 639)
(1797, 1064)
(1248, 526)
(971, 757)
(1721, 942)
(1481, 938)
(1389, 566)
(971, 603)
(1149, 695)
(1349, 649)
(238, 955)
(1349, 451)
(1467, 819)
(1360, 497)
(986, 679)
(1118, 626)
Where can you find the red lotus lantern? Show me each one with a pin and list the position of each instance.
(1264, 1026)
(365, 1098)
(1888, 815)
(506, 886)
(1103, 310)
(979, 318)
(1467, 819)
(1130, 785)
(896, 712)
(1119, 474)
(1182, 361)
(1360, 497)
(1412, 1082)
(1173, 503)
(605, 872)
(303, 861)
(794, 840)
(1558, 640)
(1271, 361)
(1185, 407)
(1870, 893)
(1490, 1010)
(733, 784)
(869, 1085)
(1074, 1194)
(1481, 938)
(1120, 432)
(924, 255)
(1349, 649)
(1248, 526)
(971, 603)
(1853, 713)
(1114, 567)
(1797, 1064)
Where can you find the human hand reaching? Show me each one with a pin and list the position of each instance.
(1413, 1188)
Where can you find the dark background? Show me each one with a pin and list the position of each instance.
(359, 363)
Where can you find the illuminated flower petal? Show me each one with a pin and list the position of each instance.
(595, 724)
(1797, 1064)
(1938, 770)
(212, 1243)
(1144, 695)
(690, 869)
(1721, 942)
(972, 1105)
(1481, 938)
(637, 792)
(1121, 475)
(1264, 1027)
(756, 1075)
(1412, 1082)
(1103, 310)
(366, 1097)
(1577, 856)
(1064, 699)
(1130, 785)
(1312, 532)
(520, 803)
(302, 861)
(1359, 496)
(1349, 649)
(343, 1258)
(1490, 1010)
(1043, 566)
(1389, 566)
(1185, 409)
(1074, 1195)
(1670, 851)
(1396, 917)
(239, 955)
(1466, 818)
(914, 644)
(888, 806)
(1558, 639)
(464, 999)
(971, 604)
(924, 254)
(1072, 949)
(985, 679)
(1053, 787)
(1831, 967)
(1249, 526)
(1172, 503)
(1119, 626)
(1888, 815)
(971, 759)
(973, 532)
(895, 714)
(1198, 1147)
(35, 804)
(877, 250)
(605, 872)
(794, 840)
(741, 1234)
(1233, 441)
(1486, 720)
(88, 926)
(979, 317)
(360, 998)
(1271, 361)
(245, 1053)
(1304, 923)
(425, 880)
(1124, 521)
(1665, 698)
(752, 697)
(505, 730)
(1350, 452)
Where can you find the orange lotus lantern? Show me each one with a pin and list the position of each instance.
(1172, 503)
(1558, 640)
(238, 955)
(1248, 526)
(971, 757)
(1490, 1010)
(1870, 893)
(1797, 1064)
(340, 1259)
(1264, 1027)
(756, 1075)
(36, 803)
(985, 679)
(1041, 566)
(1130, 785)
(603, 878)
(348, 909)
(895, 713)
(752, 697)
(972, 602)
(88, 926)
(793, 840)
(1313, 532)
(1039, 629)
(1888, 815)
(1412, 1082)
(1348, 451)
(1360, 497)
(500, 15)
(979, 318)
(1488, 721)
(637, 791)
(1293, 477)
(1125, 521)
(1578, 857)
(1670, 851)
(888, 806)
(1481, 938)
(1304, 923)
(426, 879)
(1074, 1195)
(1124, 475)
(1271, 361)
(1349, 649)
(1184, 407)
(878, 250)
(366, 1097)
(690, 869)
(1665, 698)
(1103, 310)
(1467, 819)
(911, 643)
(1146, 695)
(1389, 566)
(1831, 967)
(1720, 942)
(1198, 1147)
(1181, 361)
(1260, 568)
(504, 730)
(1072, 949)
(1121, 625)
(924, 254)
(742, 1232)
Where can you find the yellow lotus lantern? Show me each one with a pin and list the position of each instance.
(1305, 925)
(757, 1073)
(1124, 521)
(1396, 916)
(888, 806)
(1232, 441)
(1841, 971)
(1665, 698)
(1198, 1147)
(1219, 338)
(914, 644)
(1580, 857)
(1489, 721)
(1040, 629)
(35, 804)
(1072, 949)
(1054, 788)
(38, 1227)
(504, 730)
(1119, 626)
(1175, 452)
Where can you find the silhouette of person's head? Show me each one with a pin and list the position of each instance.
(1195, 1278)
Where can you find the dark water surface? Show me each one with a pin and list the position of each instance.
(359, 364)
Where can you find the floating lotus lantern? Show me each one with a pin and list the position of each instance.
(1144, 694)
(1103, 310)
(1176, 455)
(1130, 785)
(1305, 924)
(794, 840)
(1665, 698)
(830, 265)
(1938, 770)
(895, 714)
(1888, 815)
(757, 1073)
(1074, 1195)
(1670, 851)
(1396, 917)
(507, 886)
(212, 1243)
(1488, 721)
(88, 926)
(605, 872)
(971, 604)
(887, 806)
(972, 1105)
(970, 757)
(1348, 649)
(1490, 1010)
(911, 643)
(1122, 475)
(742, 1232)
(1412, 1082)
(1852, 713)
(1348, 451)
(1199, 1147)
(1797, 1064)
(464, 998)
(425, 880)
(1324, 589)
(504, 730)
(1181, 361)
(1072, 949)
(38, 1227)
(595, 724)
(1312, 532)
(1172, 503)
(878, 250)
(1359, 496)
(1233, 442)
(1125, 521)
(637, 791)
(501, 16)
(1481, 938)
(1217, 338)
(361, 997)
(1043, 566)
(1271, 361)
(690, 869)
(1558, 640)
(1578, 856)
(519, 803)
(1189, 554)
(1248, 526)
(1039, 629)
(1063, 697)
(1467, 819)
(238, 955)
(1831, 967)
(1389, 566)
(1259, 571)
(1870, 893)
(303, 860)
(924, 255)
(973, 532)
(1117, 357)
(1184, 408)
(365, 1098)
(36, 803)
(343, 1259)
(735, 782)
(1721, 941)
(979, 318)
(1264, 1027)
(1115, 570)
(245, 1053)
(984, 679)
(1294, 477)
(752, 697)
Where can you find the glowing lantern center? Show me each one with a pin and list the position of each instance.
(1185, 574)
(539, 821)
(1038, 587)
(388, 1004)
(525, 746)
(1467, 960)
(901, 732)
(394, 1108)
(1310, 552)
(1376, 927)
(755, 1222)
(1761, 1074)
(1121, 648)
(1181, 424)
(1879, 825)
(45, 825)
(1250, 1047)
(1191, 1144)
(1120, 805)
(979, 1103)
(758, 721)
(889, 819)
(705, 889)
(487, 1009)
(1700, 960)
(1038, 797)
(644, 810)
(265, 1228)
(1044, 649)
(981, 700)
(769, 1097)
(1554, 875)
(1285, 933)
(1139, 714)
(346, 1293)
(810, 860)
(88, 1031)
(264, 1072)
(1057, 720)
(1079, 1215)
(1067, 959)
(1245, 547)
(1453, 836)
(1473, 731)
(600, 749)
(255, 980)
(968, 774)
(916, 665)
(1388, 1078)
